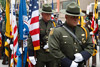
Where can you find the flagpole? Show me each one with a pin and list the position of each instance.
(9, 56)
(22, 51)
(9, 36)
(12, 31)
(96, 23)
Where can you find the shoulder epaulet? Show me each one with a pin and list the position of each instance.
(85, 31)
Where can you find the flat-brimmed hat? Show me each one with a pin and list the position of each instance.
(73, 9)
(46, 9)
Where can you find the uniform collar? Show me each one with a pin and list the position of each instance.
(69, 27)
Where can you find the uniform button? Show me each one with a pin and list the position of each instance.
(41, 45)
(82, 34)
(65, 42)
(75, 43)
(47, 37)
(76, 50)
(41, 42)
(82, 39)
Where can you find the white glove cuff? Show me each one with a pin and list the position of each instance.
(74, 64)
(46, 46)
(78, 57)
(11, 47)
(32, 59)
(8, 41)
(91, 33)
(20, 49)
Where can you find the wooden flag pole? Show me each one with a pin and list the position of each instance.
(22, 51)
(9, 56)
(13, 58)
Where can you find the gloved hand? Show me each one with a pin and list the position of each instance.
(74, 64)
(78, 57)
(32, 59)
(20, 49)
(91, 33)
(46, 46)
(8, 41)
(11, 47)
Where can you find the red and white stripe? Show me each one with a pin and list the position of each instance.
(93, 39)
(52, 16)
(15, 34)
(29, 63)
(94, 25)
(34, 29)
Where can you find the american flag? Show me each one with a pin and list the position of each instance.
(34, 29)
(13, 22)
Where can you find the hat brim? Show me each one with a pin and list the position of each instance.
(45, 11)
(64, 12)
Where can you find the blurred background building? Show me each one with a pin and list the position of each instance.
(61, 4)
(86, 5)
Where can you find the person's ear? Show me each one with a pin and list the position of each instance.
(41, 13)
(66, 16)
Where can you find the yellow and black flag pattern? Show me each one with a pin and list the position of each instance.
(95, 28)
(8, 27)
(96, 11)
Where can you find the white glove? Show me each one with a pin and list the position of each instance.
(11, 47)
(74, 64)
(46, 46)
(91, 33)
(78, 57)
(20, 49)
(8, 41)
(32, 59)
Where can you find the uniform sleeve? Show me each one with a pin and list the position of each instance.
(89, 43)
(54, 44)
(30, 47)
(88, 50)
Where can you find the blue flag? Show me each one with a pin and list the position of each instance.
(19, 62)
(22, 17)
(23, 31)
(52, 5)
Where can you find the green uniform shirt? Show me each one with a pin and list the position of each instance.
(62, 44)
(45, 28)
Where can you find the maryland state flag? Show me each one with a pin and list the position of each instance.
(94, 25)
(8, 27)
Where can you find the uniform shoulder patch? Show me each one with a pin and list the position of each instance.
(51, 32)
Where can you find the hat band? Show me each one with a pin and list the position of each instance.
(72, 12)
(47, 10)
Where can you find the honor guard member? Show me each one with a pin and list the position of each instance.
(71, 44)
(44, 58)
(57, 21)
